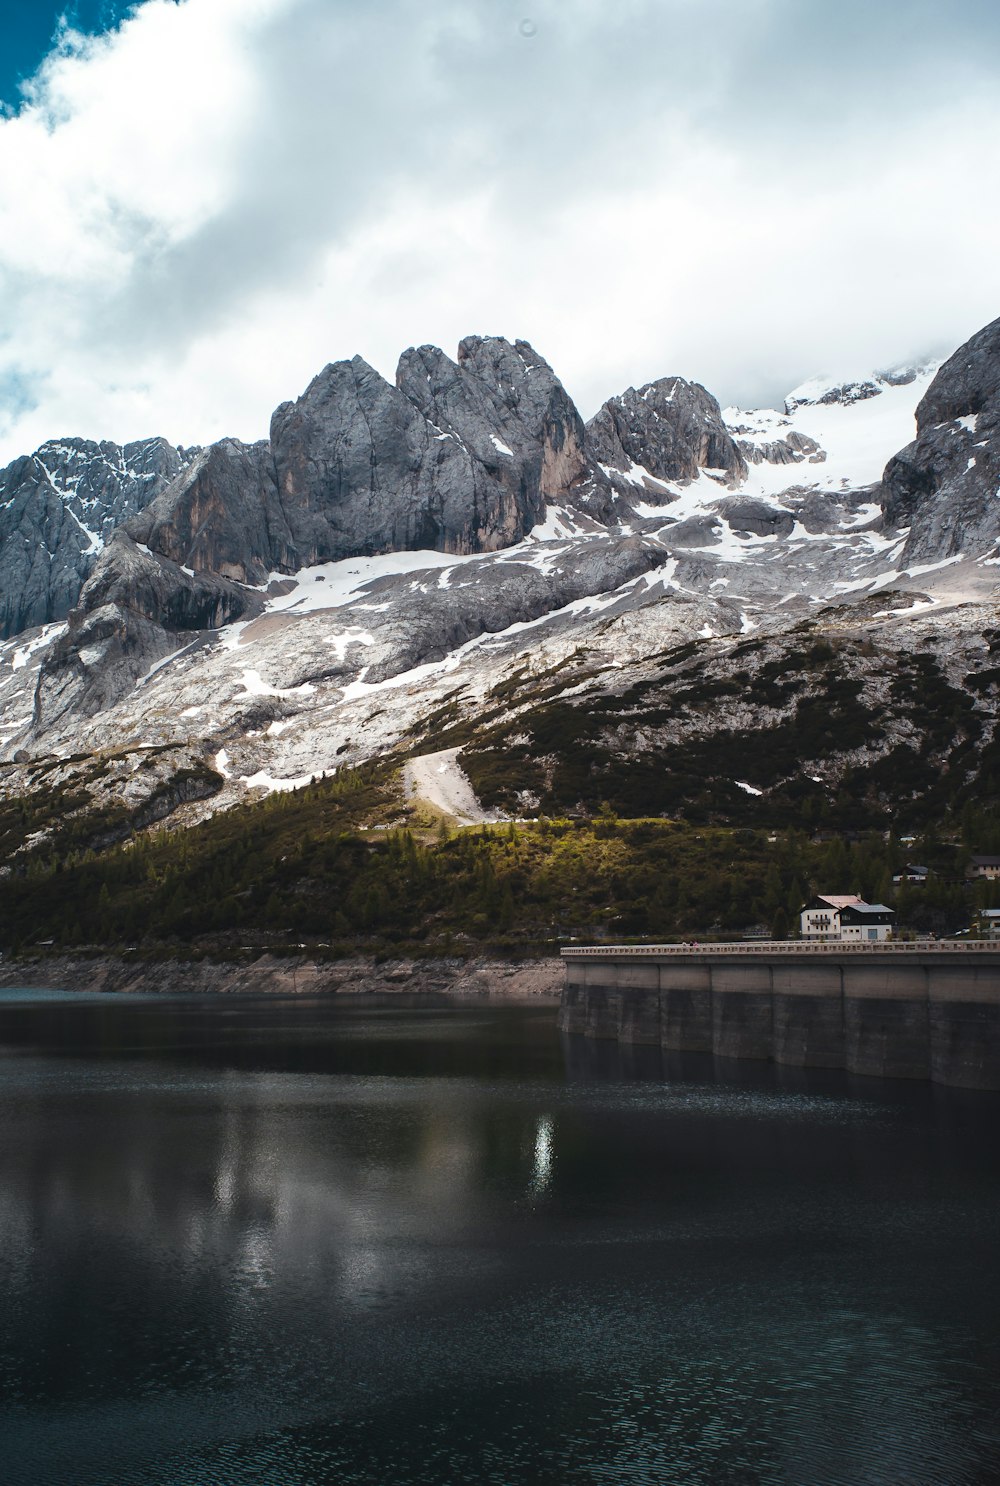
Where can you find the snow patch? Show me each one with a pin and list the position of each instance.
(47, 635)
(263, 780)
(349, 637)
(255, 687)
(331, 585)
(559, 524)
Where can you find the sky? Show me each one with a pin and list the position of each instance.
(204, 201)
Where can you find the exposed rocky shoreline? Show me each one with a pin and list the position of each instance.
(538, 981)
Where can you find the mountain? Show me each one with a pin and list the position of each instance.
(58, 507)
(943, 486)
(770, 617)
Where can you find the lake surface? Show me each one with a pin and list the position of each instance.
(399, 1241)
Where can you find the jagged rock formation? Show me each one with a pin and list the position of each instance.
(459, 456)
(456, 457)
(944, 485)
(130, 577)
(792, 449)
(671, 429)
(57, 509)
(217, 517)
(133, 611)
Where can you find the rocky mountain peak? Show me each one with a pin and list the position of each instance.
(670, 428)
(57, 509)
(493, 358)
(502, 399)
(943, 485)
(828, 392)
(967, 384)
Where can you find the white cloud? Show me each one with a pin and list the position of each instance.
(200, 209)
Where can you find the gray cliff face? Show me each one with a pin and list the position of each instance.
(457, 457)
(672, 428)
(58, 507)
(219, 516)
(352, 456)
(162, 591)
(95, 663)
(534, 407)
(944, 485)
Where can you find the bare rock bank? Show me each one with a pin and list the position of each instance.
(537, 981)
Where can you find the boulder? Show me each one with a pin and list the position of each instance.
(756, 517)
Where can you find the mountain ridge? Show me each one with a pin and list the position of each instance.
(577, 551)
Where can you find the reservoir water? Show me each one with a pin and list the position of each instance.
(401, 1241)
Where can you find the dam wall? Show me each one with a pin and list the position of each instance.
(924, 1010)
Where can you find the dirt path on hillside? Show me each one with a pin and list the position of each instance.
(438, 779)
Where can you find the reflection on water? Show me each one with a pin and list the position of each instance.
(543, 1154)
(248, 1240)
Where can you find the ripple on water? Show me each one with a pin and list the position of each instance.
(221, 1274)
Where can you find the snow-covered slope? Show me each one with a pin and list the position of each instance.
(856, 434)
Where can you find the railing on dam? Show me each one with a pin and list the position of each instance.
(795, 947)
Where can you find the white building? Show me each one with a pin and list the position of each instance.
(845, 918)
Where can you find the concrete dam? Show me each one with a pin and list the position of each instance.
(919, 1010)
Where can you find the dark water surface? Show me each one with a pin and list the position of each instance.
(393, 1242)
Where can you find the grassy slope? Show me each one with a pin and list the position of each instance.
(298, 870)
(651, 834)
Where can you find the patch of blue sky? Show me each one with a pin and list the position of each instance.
(33, 28)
